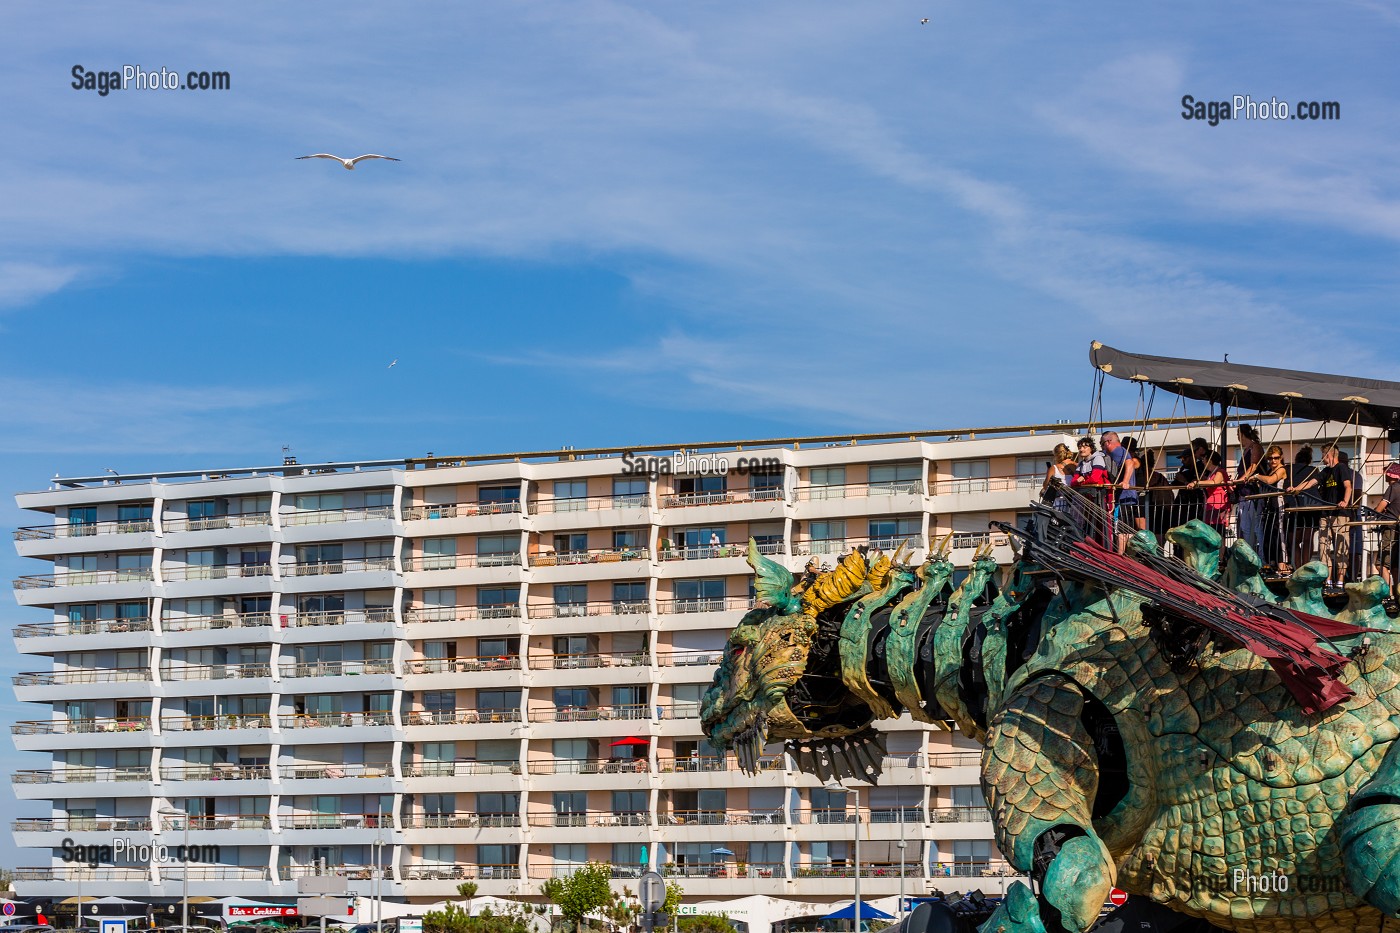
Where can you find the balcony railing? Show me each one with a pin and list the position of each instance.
(338, 668)
(1003, 483)
(336, 516)
(215, 671)
(697, 764)
(723, 497)
(431, 769)
(689, 658)
(81, 775)
(95, 675)
(460, 613)
(178, 572)
(973, 869)
(218, 823)
(971, 539)
(590, 713)
(839, 546)
(441, 821)
(954, 759)
(708, 551)
(589, 556)
(460, 561)
(84, 627)
(335, 720)
(84, 529)
(81, 873)
(44, 581)
(447, 717)
(860, 490)
(589, 504)
(678, 711)
(589, 766)
(212, 872)
(574, 662)
(456, 872)
(333, 821)
(961, 815)
(701, 604)
(420, 513)
(315, 771)
(724, 818)
(221, 721)
(81, 726)
(216, 522)
(591, 818)
(221, 621)
(460, 665)
(221, 771)
(867, 870)
(613, 607)
(83, 824)
(345, 565)
(375, 615)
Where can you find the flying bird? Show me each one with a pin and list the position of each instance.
(393, 364)
(924, 21)
(348, 163)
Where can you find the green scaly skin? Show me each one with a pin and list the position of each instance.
(1224, 772)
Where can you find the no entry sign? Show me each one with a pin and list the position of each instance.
(1117, 898)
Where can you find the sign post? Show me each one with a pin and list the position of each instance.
(652, 893)
(111, 925)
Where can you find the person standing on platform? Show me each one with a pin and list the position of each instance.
(1334, 488)
(1389, 507)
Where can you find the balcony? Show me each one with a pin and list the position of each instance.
(574, 662)
(419, 513)
(337, 516)
(84, 529)
(221, 771)
(708, 551)
(696, 764)
(550, 819)
(590, 766)
(315, 771)
(81, 775)
(81, 873)
(82, 676)
(459, 717)
(460, 665)
(217, 522)
(435, 769)
(724, 818)
(750, 870)
(839, 546)
(180, 572)
(458, 872)
(616, 607)
(632, 711)
(83, 824)
(81, 726)
(346, 565)
(678, 711)
(209, 723)
(221, 621)
(859, 491)
(701, 604)
(726, 497)
(689, 658)
(335, 720)
(334, 821)
(212, 873)
(215, 671)
(375, 615)
(461, 561)
(83, 578)
(1028, 482)
(590, 556)
(441, 821)
(867, 870)
(86, 627)
(589, 504)
(338, 668)
(352, 872)
(961, 815)
(460, 613)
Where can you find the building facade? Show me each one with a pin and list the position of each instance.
(420, 673)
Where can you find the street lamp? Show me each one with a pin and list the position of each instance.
(184, 869)
(837, 788)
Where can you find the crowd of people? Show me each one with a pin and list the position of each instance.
(1289, 513)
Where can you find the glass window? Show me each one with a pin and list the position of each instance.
(499, 493)
(571, 749)
(498, 647)
(134, 516)
(888, 533)
(827, 483)
(827, 537)
(79, 518)
(626, 539)
(567, 544)
(440, 854)
(700, 485)
(201, 508)
(897, 477)
(699, 595)
(569, 857)
(629, 596)
(629, 801)
(498, 601)
(570, 495)
(379, 498)
(570, 599)
(627, 859)
(498, 700)
(320, 502)
(971, 476)
(497, 856)
(767, 481)
(630, 488)
(573, 698)
(965, 795)
(495, 804)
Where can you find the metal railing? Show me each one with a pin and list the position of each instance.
(81, 873)
(460, 665)
(315, 771)
(81, 726)
(96, 675)
(448, 717)
(337, 668)
(689, 658)
(456, 872)
(678, 711)
(335, 720)
(695, 764)
(215, 671)
(628, 711)
(333, 821)
(611, 607)
(422, 562)
(708, 551)
(215, 522)
(221, 771)
(376, 615)
(420, 513)
(440, 821)
(178, 572)
(701, 604)
(336, 516)
(839, 546)
(83, 627)
(222, 721)
(589, 504)
(82, 824)
(344, 565)
(590, 766)
(433, 769)
(221, 621)
(459, 613)
(572, 662)
(80, 775)
(823, 493)
(589, 556)
(42, 581)
(721, 870)
(212, 873)
(84, 529)
(960, 815)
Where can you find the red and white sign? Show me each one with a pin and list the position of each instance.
(262, 911)
(1117, 898)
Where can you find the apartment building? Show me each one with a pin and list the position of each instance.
(421, 672)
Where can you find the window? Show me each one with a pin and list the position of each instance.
(439, 854)
(894, 478)
(440, 703)
(975, 852)
(133, 517)
(497, 804)
(200, 508)
(697, 540)
(627, 860)
(439, 553)
(889, 533)
(571, 749)
(82, 521)
(439, 599)
(971, 476)
(320, 502)
(571, 857)
(570, 495)
(498, 647)
(1030, 472)
(498, 701)
(827, 483)
(439, 760)
(630, 696)
(497, 858)
(629, 802)
(827, 537)
(440, 650)
(770, 482)
(699, 595)
(498, 602)
(571, 545)
(686, 700)
(568, 802)
(439, 805)
(968, 795)
(326, 557)
(499, 494)
(629, 491)
(378, 550)
(570, 698)
(702, 487)
(629, 539)
(498, 550)
(253, 505)
(327, 603)
(133, 566)
(379, 498)
(629, 597)
(570, 599)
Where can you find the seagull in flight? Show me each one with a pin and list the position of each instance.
(393, 364)
(924, 21)
(348, 163)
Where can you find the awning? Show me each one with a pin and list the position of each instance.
(630, 741)
(1311, 396)
(866, 913)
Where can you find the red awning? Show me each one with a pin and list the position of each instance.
(631, 741)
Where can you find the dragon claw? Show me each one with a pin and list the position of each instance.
(1017, 913)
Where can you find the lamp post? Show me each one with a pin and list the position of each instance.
(184, 870)
(837, 788)
(899, 911)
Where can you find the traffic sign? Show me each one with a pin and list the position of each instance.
(1116, 897)
(320, 907)
(652, 891)
(113, 925)
(9, 908)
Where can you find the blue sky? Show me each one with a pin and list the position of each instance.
(643, 222)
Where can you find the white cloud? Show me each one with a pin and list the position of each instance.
(22, 283)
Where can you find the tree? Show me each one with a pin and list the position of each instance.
(704, 923)
(580, 893)
(674, 893)
(468, 891)
(456, 920)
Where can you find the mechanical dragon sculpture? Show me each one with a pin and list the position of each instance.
(1170, 727)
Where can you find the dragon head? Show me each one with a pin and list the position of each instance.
(780, 676)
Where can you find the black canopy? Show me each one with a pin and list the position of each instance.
(1314, 396)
